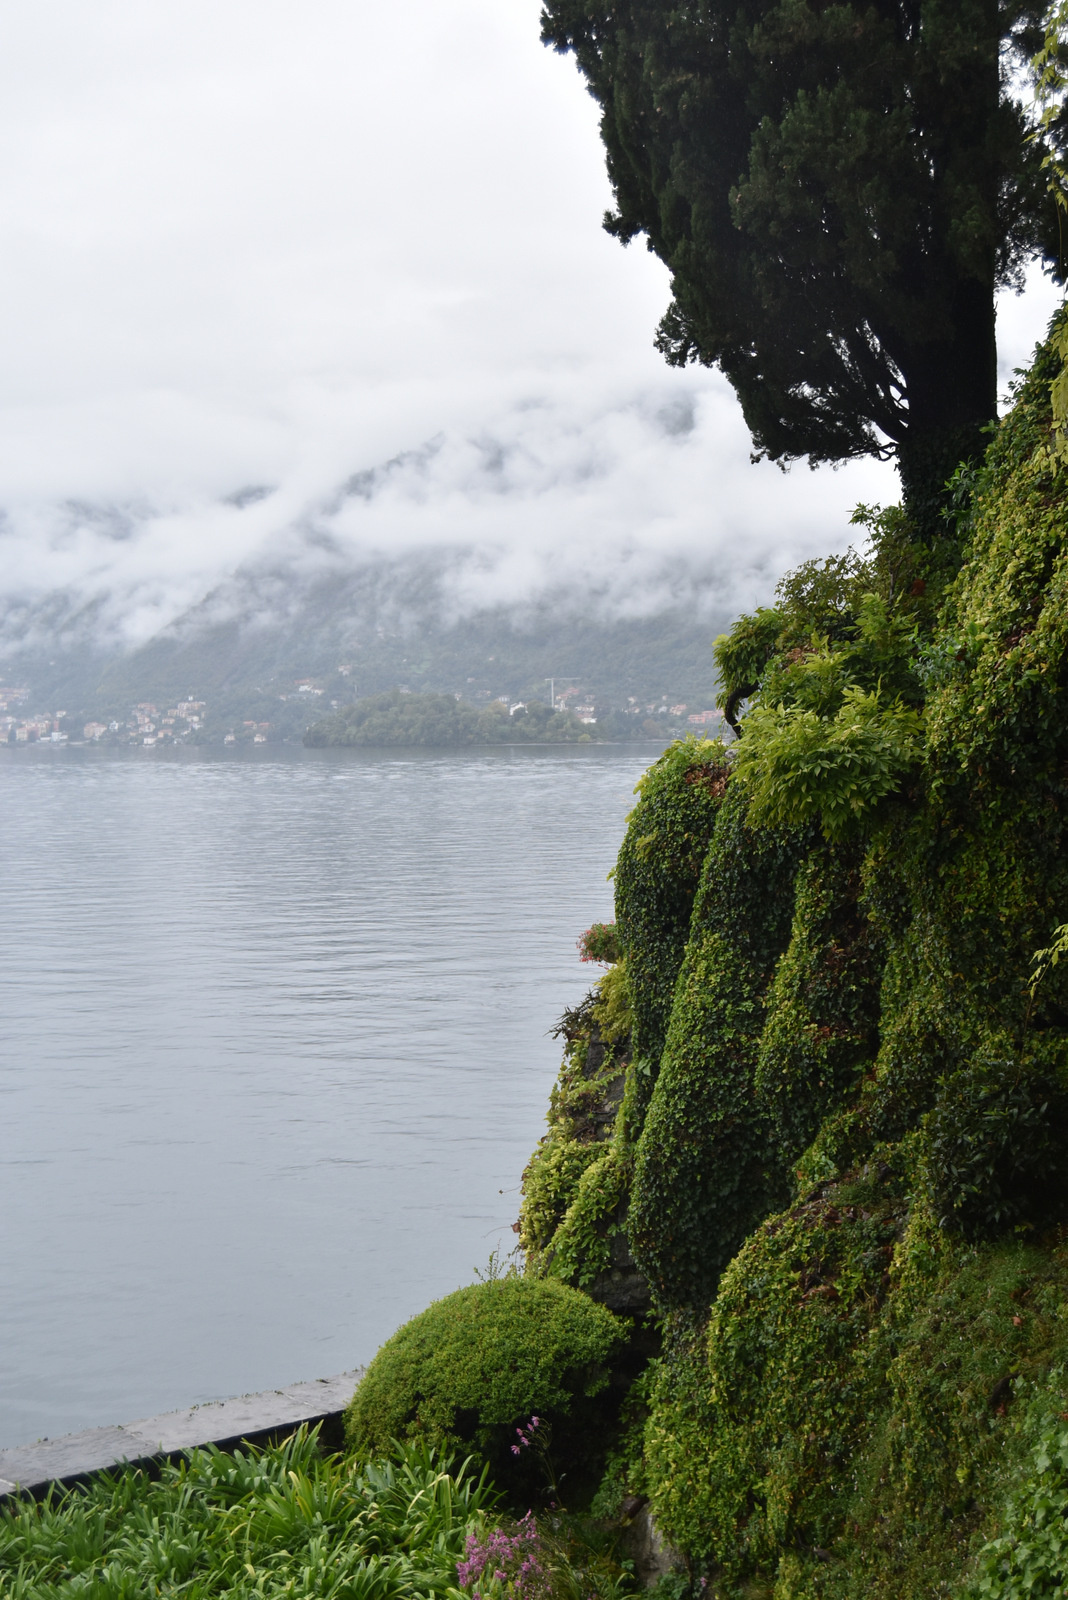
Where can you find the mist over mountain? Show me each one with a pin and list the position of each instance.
(576, 535)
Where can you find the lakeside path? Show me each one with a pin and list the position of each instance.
(250, 1418)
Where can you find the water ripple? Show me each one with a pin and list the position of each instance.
(275, 1037)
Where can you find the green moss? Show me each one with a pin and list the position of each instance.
(707, 1169)
(472, 1367)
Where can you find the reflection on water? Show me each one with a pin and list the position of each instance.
(275, 1040)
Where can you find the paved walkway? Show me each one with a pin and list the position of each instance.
(253, 1417)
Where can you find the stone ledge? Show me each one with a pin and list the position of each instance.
(250, 1418)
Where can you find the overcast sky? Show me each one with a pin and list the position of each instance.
(279, 241)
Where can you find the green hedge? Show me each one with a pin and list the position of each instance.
(470, 1369)
(822, 1030)
(656, 876)
(707, 1169)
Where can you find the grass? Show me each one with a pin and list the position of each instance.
(284, 1521)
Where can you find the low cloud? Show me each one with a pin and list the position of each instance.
(615, 506)
(289, 289)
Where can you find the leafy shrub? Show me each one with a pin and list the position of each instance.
(803, 767)
(600, 943)
(1029, 1558)
(743, 654)
(467, 1371)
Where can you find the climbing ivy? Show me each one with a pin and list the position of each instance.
(707, 1169)
(821, 1033)
(576, 1184)
(656, 878)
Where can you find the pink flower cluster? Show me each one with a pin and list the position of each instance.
(599, 943)
(526, 1439)
(508, 1559)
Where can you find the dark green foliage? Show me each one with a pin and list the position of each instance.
(835, 731)
(576, 1185)
(845, 1426)
(282, 1521)
(999, 670)
(1029, 1560)
(755, 1423)
(583, 1107)
(963, 1331)
(707, 1170)
(997, 1144)
(656, 877)
(834, 1413)
(396, 718)
(821, 1032)
(817, 602)
(836, 190)
(472, 1367)
(969, 888)
(864, 1413)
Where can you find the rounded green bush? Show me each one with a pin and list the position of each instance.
(471, 1368)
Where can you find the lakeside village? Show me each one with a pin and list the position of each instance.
(149, 725)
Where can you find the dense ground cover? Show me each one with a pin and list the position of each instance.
(290, 1522)
(282, 1521)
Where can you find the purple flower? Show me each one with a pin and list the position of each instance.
(515, 1449)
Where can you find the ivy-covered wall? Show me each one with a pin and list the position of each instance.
(841, 1157)
(656, 877)
(707, 1169)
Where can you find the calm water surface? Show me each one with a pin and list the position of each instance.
(274, 1051)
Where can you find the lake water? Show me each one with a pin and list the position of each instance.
(275, 1051)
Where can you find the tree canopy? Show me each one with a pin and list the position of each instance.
(838, 190)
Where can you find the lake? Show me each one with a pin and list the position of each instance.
(275, 1050)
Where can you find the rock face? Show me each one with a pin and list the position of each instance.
(653, 1559)
(622, 1288)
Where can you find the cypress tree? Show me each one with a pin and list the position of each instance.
(838, 189)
